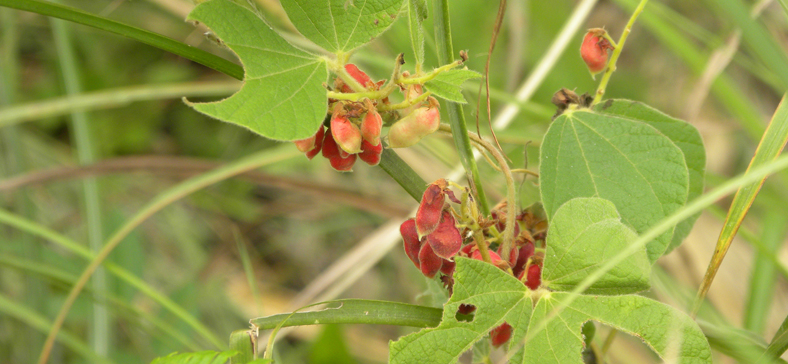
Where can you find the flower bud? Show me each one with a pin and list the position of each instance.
(594, 50)
(428, 216)
(345, 133)
(371, 125)
(410, 129)
(446, 240)
(369, 153)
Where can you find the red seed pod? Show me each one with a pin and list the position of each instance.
(318, 143)
(346, 134)
(501, 334)
(448, 267)
(343, 164)
(330, 148)
(494, 257)
(525, 252)
(428, 216)
(370, 153)
(594, 50)
(467, 250)
(410, 129)
(429, 263)
(534, 279)
(410, 240)
(371, 125)
(513, 255)
(445, 240)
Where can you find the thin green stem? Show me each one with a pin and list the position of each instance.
(159, 41)
(611, 66)
(454, 110)
(162, 200)
(419, 80)
(100, 335)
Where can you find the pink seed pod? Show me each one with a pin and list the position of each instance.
(305, 145)
(358, 74)
(346, 134)
(594, 50)
(501, 334)
(371, 125)
(446, 240)
(318, 143)
(369, 153)
(428, 216)
(343, 164)
(411, 240)
(410, 129)
(429, 263)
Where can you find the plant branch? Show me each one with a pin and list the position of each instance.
(454, 110)
(611, 66)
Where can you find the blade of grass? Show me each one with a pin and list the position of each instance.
(454, 110)
(762, 280)
(156, 40)
(164, 199)
(769, 148)
(38, 322)
(240, 242)
(757, 38)
(122, 274)
(355, 311)
(100, 334)
(110, 98)
(779, 343)
(64, 279)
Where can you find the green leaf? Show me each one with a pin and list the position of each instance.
(243, 343)
(673, 335)
(417, 12)
(448, 85)
(630, 163)
(200, 357)
(498, 298)
(282, 97)
(684, 135)
(583, 235)
(341, 25)
(353, 311)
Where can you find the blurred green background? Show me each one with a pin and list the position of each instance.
(294, 219)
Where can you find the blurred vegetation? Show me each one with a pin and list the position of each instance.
(295, 218)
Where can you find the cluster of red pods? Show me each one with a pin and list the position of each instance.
(353, 130)
(433, 239)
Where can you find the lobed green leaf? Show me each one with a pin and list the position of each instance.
(283, 97)
(623, 160)
(448, 85)
(583, 235)
(673, 335)
(341, 25)
(498, 298)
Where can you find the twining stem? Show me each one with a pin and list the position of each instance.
(511, 210)
(419, 80)
(611, 66)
